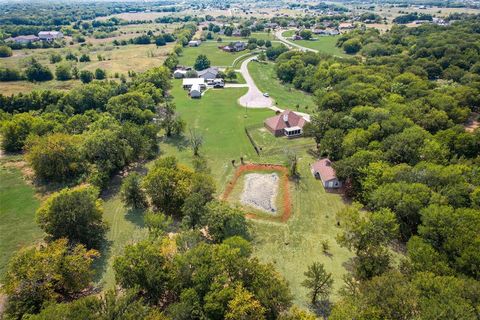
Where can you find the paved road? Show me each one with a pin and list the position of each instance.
(254, 97)
(289, 43)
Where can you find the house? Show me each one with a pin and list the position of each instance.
(50, 35)
(194, 43)
(323, 170)
(271, 25)
(235, 47)
(292, 24)
(297, 37)
(209, 73)
(326, 32)
(187, 83)
(236, 33)
(23, 39)
(179, 73)
(195, 91)
(287, 123)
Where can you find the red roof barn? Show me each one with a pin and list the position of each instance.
(287, 123)
(323, 170)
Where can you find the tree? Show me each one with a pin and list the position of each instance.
(55, 58)
(352, 46)
(157, 224)
(84, 58)
(306, 34)
(224, 221)
(132, 193)
(318, 281)
(63, 72)
(36, 275)
(75, 214)
(168, 185)
(201, 62)
(268, 43)
(245, 32)
(196, 141)
(230, 74)
(86, 76)
(244, 306)
(5, 52)
(160, 41)
(100, 74)
(36, 72)
(56, 157)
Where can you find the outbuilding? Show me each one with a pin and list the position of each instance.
(195, 91)
(194, 43)
(50, 35)
(323, 170)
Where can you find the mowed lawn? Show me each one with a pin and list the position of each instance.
(216, 56)
(285, 96)
(17, 214)
(324, 44)
(290, 246)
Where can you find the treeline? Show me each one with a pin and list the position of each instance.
(394, 125)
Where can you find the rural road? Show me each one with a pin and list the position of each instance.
(289, 43)
(254, 97)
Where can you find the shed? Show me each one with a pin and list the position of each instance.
(323, 170)
(195, 91)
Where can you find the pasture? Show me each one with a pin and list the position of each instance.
(284, 96)
(217, 56)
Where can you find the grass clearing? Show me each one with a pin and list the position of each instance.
(284, 96)
(324, 44)
(17, 213)
(290, 246)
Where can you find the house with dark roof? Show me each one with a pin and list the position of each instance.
(208, 74)
(323, 170)
(235, 47)
(287, 123)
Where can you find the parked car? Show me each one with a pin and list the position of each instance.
(266, 94)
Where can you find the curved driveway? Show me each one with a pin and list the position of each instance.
(289, 43)
(254, 97)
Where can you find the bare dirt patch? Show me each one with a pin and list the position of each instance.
(260, 191)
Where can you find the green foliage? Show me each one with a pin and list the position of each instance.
(36, 72)
(56, 157)
(29, 278)
(318, 281)
(63, 72)
(5, 52)
(75, 214)
(201, 62)
(86, 76)
(132, 193)
(223, 221)
(100, 74)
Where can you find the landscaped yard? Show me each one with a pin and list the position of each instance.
(17, 213)
(293, 245)
(216, 56)
(285, 96)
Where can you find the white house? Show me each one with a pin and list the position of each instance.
(195, 91)
(190, 82)
(194, 43)
(50, 35)
(179, 73)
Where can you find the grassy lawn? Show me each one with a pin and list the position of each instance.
(257, 35)
(17, 213)
(217, 56)
(285, 96)
(291, 246)
(324, 44)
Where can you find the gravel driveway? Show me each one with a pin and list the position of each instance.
(254, 97)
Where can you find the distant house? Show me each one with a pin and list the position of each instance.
(179, 73)
(194, 43)
(287, 123)
(189, 82)
(346, 26)
(50, 35)
(326, 32)
(323, 170)
(292, 24)
(23, 39)
(195, 91)
(236, 33)
(208, 74)
(271, 25)
(235, 47)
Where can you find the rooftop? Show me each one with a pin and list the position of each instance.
(324, 169)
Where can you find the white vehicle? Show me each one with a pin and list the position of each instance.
(266, 94)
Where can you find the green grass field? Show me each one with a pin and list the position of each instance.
(216, 56)
(257, 35)
(290, 246)
(285, 96)
(17, 214)
(324, 44)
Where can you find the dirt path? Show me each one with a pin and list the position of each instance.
(254, 97)
(472, 122)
